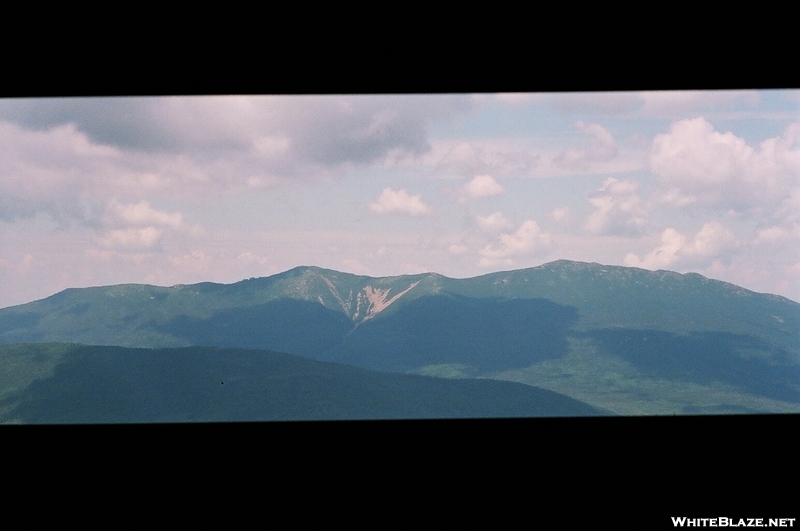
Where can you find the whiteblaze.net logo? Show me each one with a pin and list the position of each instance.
(722, 521)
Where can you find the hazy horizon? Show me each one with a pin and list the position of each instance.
(179, 190)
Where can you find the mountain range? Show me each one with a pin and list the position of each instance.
(625, 340)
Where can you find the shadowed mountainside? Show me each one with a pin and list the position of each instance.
(65, 384)
(603, 296)
(629, 340)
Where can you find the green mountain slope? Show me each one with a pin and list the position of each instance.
(626, 339)
(67, 383)
(603, 296)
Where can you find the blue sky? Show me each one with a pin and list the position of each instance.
(170, 190)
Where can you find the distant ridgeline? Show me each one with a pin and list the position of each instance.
(626, 340)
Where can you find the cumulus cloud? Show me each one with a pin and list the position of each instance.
(63, 173)
(144, 237)
(788, 211)
(662, 256)
(777, 234)
(783, 227)
(710, 240)
(54, 151)
(618, 209)
(469, 158)
(134, 226)
(560, 213)
(141, 214)
(465, 158)
(399, 202)
(528, 239)
(49, 171)
(701, 164)
(325, 128)
(336, 130)
(483, 186)
(602, 148)
(678, 250)
(151, 124)
(494, 222)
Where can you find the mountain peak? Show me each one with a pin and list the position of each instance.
(564, 323)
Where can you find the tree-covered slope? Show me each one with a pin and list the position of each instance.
(626, 339)
(601, 296)
(68, 383)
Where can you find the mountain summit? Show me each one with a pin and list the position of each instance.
(629, 340)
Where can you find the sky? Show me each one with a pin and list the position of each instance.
(177, 190)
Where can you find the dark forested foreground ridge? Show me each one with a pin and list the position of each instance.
(57, 383)
(625, 340)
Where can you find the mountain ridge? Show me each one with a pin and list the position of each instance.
(622, 296)
(556, 266)
(612, 336)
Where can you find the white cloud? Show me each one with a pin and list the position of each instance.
(141, 238)
(464, 159)
(678, 250)
(125, 176)
(327, 129)
(602, 148)
(693, 151)
(618, 209)
(662, 256)
(51, 171)
(141, 214)
(483, 186)
(58, 154)
(675, 197)
(702, 164)
(391, 201)
(788, 212)
(710, 240)
(65, 174)
(494, 222)
(528, 239)
(561, 213)
(135, 225)
(777, 234)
